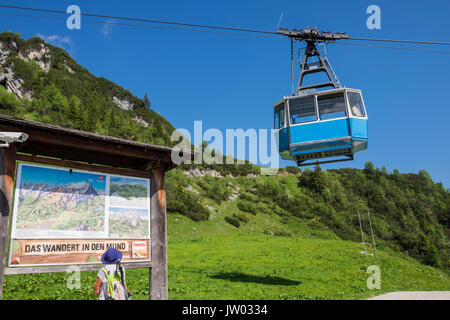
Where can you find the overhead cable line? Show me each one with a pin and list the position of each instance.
(144, 20)
(401, 41)
(213, 27)
(146, 26)
(395, 48)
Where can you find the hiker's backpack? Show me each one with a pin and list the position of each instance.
(115, 285)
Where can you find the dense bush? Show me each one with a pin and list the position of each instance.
(233, 221)
(408, 211)
(215, 188)
(185, 203)
(241, 217)
(236, 219)
(246, 206)
(293, 170)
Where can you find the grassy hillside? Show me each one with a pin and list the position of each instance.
(410, 213)
(270, 250)
(215, 260)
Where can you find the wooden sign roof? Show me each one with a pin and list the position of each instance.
(47, 142)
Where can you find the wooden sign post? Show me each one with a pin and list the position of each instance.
(73, 149)
(7, 168)
(158, 276)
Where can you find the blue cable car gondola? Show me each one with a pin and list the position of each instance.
(330, 123)
(313, 125)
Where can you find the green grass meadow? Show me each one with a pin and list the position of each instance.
(214, 260)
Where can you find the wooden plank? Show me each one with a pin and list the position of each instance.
(69, 144)
(21, 124)
(65, 143)
(83, 267)
(83, 166)
(158, 273)
(74, 154)
(90, 144)
(7, 168)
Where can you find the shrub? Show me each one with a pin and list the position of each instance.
(248, 196)
(236, 219)
(314, 180)
(10, 104)
(246, 206)
(185, 203)
(369, 167)
(240, 217)
(233, 221)
(293, 170)
(215, 188)
(271, 189)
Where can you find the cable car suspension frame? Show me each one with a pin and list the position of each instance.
(311, 36)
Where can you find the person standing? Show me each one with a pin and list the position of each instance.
(110, 284)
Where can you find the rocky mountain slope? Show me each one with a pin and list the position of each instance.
(42, 82)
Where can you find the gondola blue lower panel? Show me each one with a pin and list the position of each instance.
(307, 137)
(349, 135)
(282, 139)
(359, 128)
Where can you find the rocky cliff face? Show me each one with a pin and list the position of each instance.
(40, 54)
(13, 85)
(8, 79)
(123, 103)
(6, 74)
(6, 49)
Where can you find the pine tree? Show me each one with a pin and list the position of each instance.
(319, 180)
(73, 113)
(147, 103)
(51, 98)
(92, 111)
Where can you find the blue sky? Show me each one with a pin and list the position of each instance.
(34, 175)
(232, 81)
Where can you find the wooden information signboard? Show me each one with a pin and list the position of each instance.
(66, 216)
(66, 223)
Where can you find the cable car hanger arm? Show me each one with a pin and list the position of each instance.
(310, 36)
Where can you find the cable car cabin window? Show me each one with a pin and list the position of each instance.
(356, 105)
(279, 116)
(302, 110)
(331, 106)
